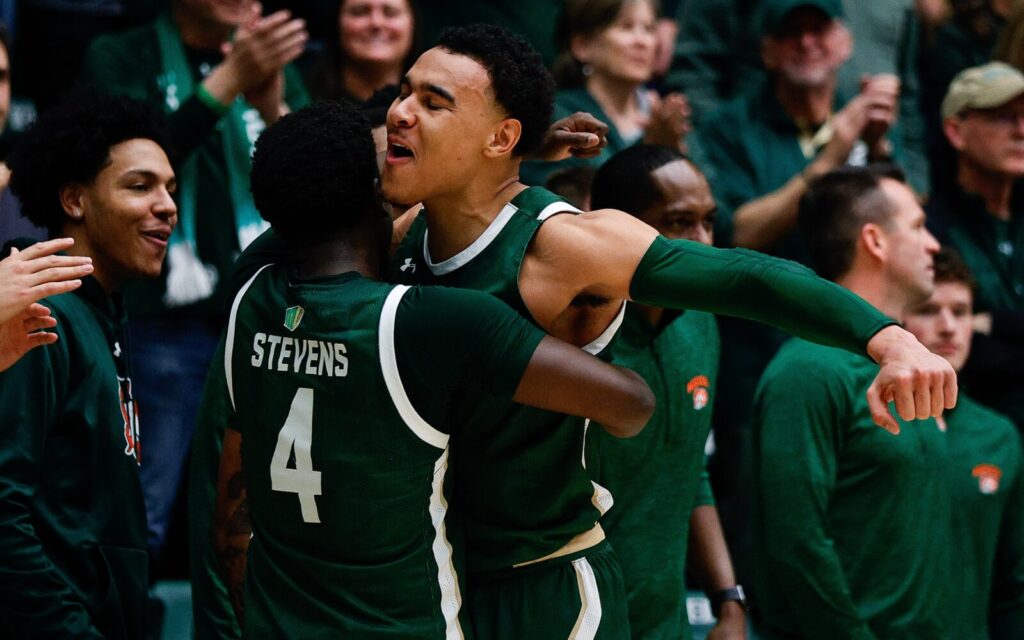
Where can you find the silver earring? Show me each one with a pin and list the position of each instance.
(588, 70)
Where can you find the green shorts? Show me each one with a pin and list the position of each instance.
(580, 596)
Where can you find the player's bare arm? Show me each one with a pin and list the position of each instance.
(617, 398)
(232, 529)
(597, 254)
(591, 254)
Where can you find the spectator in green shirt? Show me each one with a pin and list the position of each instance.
(607, 55)
(850, 521)
(759, 152)
(219, 71)
(980, 212)
(663, 500)
(985, 473)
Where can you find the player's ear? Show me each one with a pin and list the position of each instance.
(72, 199)
(504, 138)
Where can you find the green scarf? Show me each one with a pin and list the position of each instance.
(188, 279)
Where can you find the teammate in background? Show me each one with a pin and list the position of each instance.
(343, 387)
(469, 110)
(850, 521)
(662, 494)
(25, 278)
(984, 471)
(73, 560)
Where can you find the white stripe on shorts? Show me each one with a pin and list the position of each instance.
(590, 602)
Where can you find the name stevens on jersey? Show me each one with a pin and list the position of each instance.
(313, 357)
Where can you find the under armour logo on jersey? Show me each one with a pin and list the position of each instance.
(117, 349)
(408, 266)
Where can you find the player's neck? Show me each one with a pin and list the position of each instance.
(455, 220)
(336, 257)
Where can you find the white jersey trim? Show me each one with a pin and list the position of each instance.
(602, 341)
(389, 367)
(589, 619)
(476, 248)
(229, 341)
(601, 498)
(556, 207)
(447, 579)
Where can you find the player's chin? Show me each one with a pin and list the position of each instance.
(391, 189)
(150, 268)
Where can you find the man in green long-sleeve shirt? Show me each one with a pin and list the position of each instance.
(850, 520)
(984, 471)
(658, 477)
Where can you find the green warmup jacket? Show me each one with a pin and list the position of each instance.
(657, 476)
(850, 522)
(987, 486)
(129, 64)
(73, 561)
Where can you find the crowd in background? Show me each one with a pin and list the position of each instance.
(763, 96)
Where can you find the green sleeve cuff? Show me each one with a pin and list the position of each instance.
(209, 101)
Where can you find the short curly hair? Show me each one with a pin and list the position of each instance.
(313, 172)
(522, 85)
(70, 144)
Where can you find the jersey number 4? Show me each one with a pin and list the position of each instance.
(297, 434)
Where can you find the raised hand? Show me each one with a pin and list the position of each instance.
(35, 273)
(580, 135)
(881, 94)
(21, 333)
(669, 121)
(261, 48)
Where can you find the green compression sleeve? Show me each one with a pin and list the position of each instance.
(679, 274)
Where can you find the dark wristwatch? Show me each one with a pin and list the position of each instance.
(734, 594)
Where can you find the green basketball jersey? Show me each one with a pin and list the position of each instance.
(520, 476)
(656, 476)
(340, 388)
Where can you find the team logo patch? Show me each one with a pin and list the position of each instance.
(988, 476)
(292, 317)
(698, 387)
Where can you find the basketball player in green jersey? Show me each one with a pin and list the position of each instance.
(469, 109)
(341, 389)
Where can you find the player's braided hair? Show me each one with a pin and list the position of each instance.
(313, 172)
(521, 83)
(70, 144)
